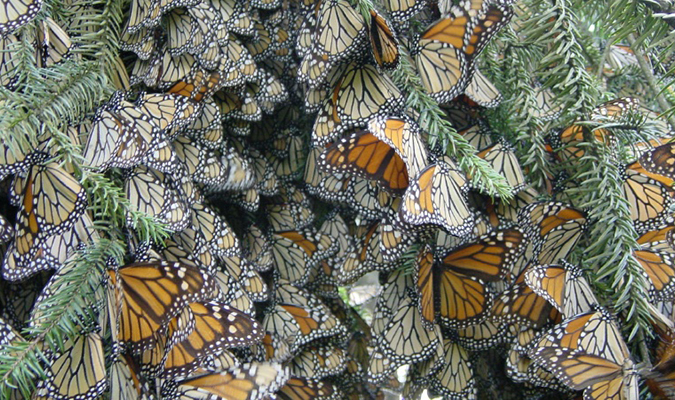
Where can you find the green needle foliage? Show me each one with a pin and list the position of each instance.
(559, 46)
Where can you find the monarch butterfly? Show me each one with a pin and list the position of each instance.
(76, 372)
(232, 294)
(144, 14)
(197, 85)
(395, 290)
(322, 280)
(402, 10)
(290, 167)
(206, 28)
(315, 98)
(53, 44)
(239, 175)
(327, 124)
(124, 135)
(554, 227)
(363, 154)
(489, 257)
(482, 91)
(446, 51)
(460, 115)
(118, 74)
(144, 310)
(299, 388)
(335, 227)
(161, 70)
(503, 160)
(203, 165)
(659, 239)
(482, 336)
(54, 250)
(660, 160)
(242, 67)
(265, 176)
(318, 362)
(363, 93)
(586, 352)
(363, 196)
(217, 327)
(239, 104)
(261, 48)
(206, 128)
(456, 378)
(521, 368)
(151, 192)
(507, 210)
(274, 347)
(547, 109)
(522, 306)
(367, 252)
(360, 294)
(437, 196)
(289, 212)
(478, 136)
(19, 299)
(151, 361)
(389, 152)
(249, 280)
(236, 17)
(404, 339)
(8, 334)
(295, 253)
(51, 204)
(142, 42)
(339, 32)
(659, 267)
(619, 57)
(168, 111)
(57, 281)
(304, 31)
(384, 44)
(660, 382)
(188, 248)
(358, 357)
(615, 109)
(257, 247)
(563, 286)
(16, 14)
(649, 199)
(424, 370)
(574, 141)
(380, 367)
(457, 286)
(251, 381)
(126, 381)
(300, 323)
(8, 61)
(281, 47)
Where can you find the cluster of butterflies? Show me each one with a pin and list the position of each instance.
(271, 141)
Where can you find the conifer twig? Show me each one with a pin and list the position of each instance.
(651, 80)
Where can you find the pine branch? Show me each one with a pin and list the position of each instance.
(441, 132)
(97, 27)
(60, 315)
(516, 121)
(662, 9)
(71, 91)
(562, 68)
(651, 80)
(110, 204)
(612, 236)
